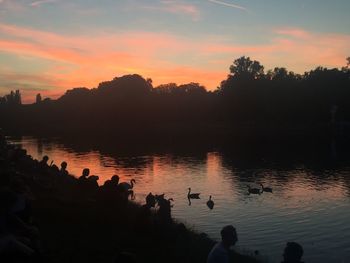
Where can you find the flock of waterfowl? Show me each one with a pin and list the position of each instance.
(259, 190)
(210, 203)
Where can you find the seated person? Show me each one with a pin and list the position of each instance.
(293, 253)
(43, 163)
(112, 184)
(84, 175)
(63, 170)
(220, 252)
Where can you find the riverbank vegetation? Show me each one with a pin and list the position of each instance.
(249, 102)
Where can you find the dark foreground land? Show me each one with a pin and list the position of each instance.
(62, 221)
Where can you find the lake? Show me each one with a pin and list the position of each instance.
(310, 203)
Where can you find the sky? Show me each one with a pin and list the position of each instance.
(49, 46)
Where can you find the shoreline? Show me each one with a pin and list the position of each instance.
(75, 228)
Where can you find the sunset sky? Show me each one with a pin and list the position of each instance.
(49, 46)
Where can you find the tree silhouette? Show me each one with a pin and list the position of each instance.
(246, 68)
(12, 99)
(38, 98)
(246, 98)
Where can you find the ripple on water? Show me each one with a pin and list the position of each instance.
(310, 207)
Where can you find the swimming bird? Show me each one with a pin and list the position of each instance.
(210, 203)
(254, 190)
(193, 195)
(126, 186)
(266, 189)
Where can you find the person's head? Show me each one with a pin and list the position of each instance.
(45, 159)
(229, 236)
(293, 252)
(115, 178)
(86, 172)
(64, 165)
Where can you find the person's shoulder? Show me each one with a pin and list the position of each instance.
(219, 249)
(218, 254)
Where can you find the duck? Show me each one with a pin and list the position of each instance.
(193, 195)
(210, 203)
(126, 186)
(254, 190)
(266, 189)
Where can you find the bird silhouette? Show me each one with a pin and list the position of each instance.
(254, 190)
(210, 203)
(266, 189)
(126, 186)
(193, 195)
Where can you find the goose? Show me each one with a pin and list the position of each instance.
(254, 190)
(193, 195)
(210, 203)
(266, 189)
(126, 186)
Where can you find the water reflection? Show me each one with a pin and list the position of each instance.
(310, 202)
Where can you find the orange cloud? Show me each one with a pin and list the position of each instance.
(86, 60)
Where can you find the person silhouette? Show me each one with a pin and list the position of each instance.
(293, 253)
(63, 170)
(43, 163)
(112, 184)
(220, 252)
(84, 175)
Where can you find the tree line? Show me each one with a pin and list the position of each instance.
(248, 100)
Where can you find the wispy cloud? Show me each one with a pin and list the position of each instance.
(41, 2)
(175, 7)
(228, 4)
(293, 32)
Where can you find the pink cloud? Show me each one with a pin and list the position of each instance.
(184, 8)
(41, 2)
(294, 32)
(86, 60)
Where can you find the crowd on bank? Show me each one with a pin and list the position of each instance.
(21, 176)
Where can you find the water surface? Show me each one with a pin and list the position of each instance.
(309, 204)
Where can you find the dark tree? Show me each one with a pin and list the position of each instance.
(12, 99)
(38, 98)
(246, 68)
(165, 88)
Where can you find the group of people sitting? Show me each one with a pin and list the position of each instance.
(87, 185)
(293, 251)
